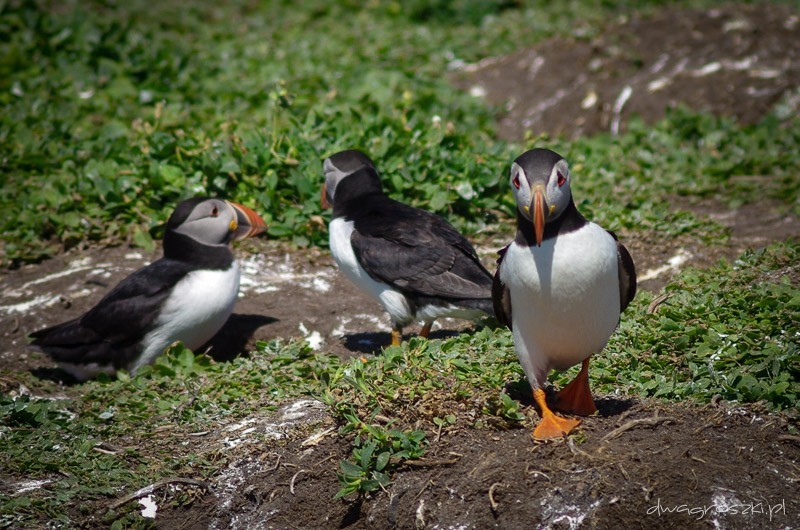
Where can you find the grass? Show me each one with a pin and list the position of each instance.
(729, 331)
(113, 113)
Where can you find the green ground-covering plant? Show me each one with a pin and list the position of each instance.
(59, 438)
(730, 331)
(111, 115)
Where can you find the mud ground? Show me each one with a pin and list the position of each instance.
(734, 60)
(643, 464)
(682, 466)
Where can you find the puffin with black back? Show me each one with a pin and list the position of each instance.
(186, 296)
(412, 261)
(560, 286)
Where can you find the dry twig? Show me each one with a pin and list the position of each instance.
(657, 301)
(277, 463)
(428, 482)
(575, 450)
(493, 502)
(624, 473)
(147, 490)
(529, 471)
(425, 463)
(630, 412)
(324, 460)
(655, 420)
(291, 482)
(317, 437)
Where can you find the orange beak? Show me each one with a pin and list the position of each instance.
(538, 213)
(248, 222)
(323, 200)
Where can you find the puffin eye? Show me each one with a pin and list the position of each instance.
(515, 182)
(215, 212)
(561, 179)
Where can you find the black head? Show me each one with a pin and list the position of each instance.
(344, 164)
(211, 221)
(540, 180)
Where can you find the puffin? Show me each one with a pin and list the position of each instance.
(560, 286)
(187, 295)
(413, 262)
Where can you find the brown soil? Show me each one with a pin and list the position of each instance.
(715, 462)
(734, 60)
(720, 458)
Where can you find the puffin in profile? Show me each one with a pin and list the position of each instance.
(187, 295)
(560, 286)
(413, 262)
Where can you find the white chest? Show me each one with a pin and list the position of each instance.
(564, 298)
(196, 309)
(340, 230)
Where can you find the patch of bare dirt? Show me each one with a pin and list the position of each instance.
(640, 464)
(752, 225)
(736, 60)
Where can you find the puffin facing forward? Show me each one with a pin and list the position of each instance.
(560, 286)
(413, 262)
(187, 295)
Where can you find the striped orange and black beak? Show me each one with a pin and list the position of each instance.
(323, 199)
(248, 222)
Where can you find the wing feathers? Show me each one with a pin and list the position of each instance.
(501, 297)
(627, 274)
(110, 332)
(417, 251)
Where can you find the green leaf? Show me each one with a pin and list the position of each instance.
(142, 239)
(349, 469)
(382, 460)
(172, 175)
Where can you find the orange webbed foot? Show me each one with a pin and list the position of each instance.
(551, 426)
(576, 397)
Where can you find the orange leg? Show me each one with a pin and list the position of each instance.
(426, 330)
(397, 336)
(551, 426)
(576, 397)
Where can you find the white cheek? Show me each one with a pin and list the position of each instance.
(523, 198)
(561, 198)
(565, 190)
(553, 194)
